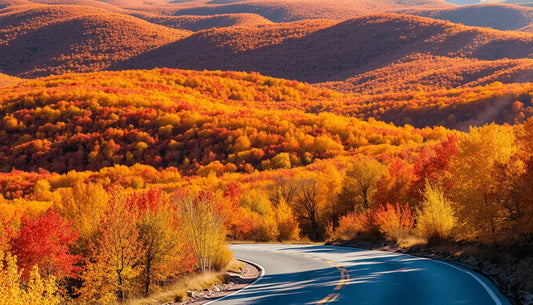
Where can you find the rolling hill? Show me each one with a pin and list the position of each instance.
(40, 40)
(497, 16)
(197, 23)
(322, 51)
(422, 71)
(292, 10)
(192, 120)
(185, 119)
(359, 54)
(89, 3)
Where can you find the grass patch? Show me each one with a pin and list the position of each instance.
(234, 266)
(410, 241)
(177, 291)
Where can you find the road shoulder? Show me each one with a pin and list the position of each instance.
(236, 281)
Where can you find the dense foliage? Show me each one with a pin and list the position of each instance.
(196, 122)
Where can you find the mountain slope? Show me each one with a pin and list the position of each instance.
(496, 16)
(292, 10)
(322, 52)
(52, 39)
(435, 72)
(187, 119)
(222, 121)
(197, 23)
(90, 3)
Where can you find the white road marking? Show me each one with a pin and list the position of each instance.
(487, 288)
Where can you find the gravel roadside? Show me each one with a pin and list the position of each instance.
(234, 282)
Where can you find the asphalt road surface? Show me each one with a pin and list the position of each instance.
(306, 274)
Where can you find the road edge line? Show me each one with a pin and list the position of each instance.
(477, 278)
(459, 267)
(261, 269)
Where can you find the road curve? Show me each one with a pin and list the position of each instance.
(307, 274)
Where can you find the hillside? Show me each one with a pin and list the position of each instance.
(190, 120)
(323, 51)
(84, 39)
(197, 23)
(90, 3)
(222, 121)
(422, 71)
(8, 3)
(292, 10)
(53, 39)
(453, 108)
(496, 16)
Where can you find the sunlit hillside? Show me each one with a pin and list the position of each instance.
(428, 72)
(42, 40)
(7, 80)
(197, 23)
(89, 3)
(290, 10)
(189, 120)
(321, 51)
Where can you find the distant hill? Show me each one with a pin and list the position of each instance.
(421, 71)
(40, 40)
(8, 3)
(292, 10)
(197, 23)
(321, 51)
(468, 2)
(496, 16)
(90, 3)
(374, 53)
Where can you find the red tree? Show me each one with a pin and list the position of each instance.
(433, 163)
(45, 241)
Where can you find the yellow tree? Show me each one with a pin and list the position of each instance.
(282, 188)
(35, 291)
(165, 251)
(288, 228)
(113, 265)
(83, 204)
(515, 194)
(362, 178)
(436, 215)
(203, 224)
(331, 180)
(474, 181)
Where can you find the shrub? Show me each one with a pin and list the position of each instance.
(436, 217)
(355, 225)
(395, 221)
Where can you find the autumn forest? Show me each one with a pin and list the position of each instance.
(138, 145)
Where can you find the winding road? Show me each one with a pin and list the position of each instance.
(307, 274)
